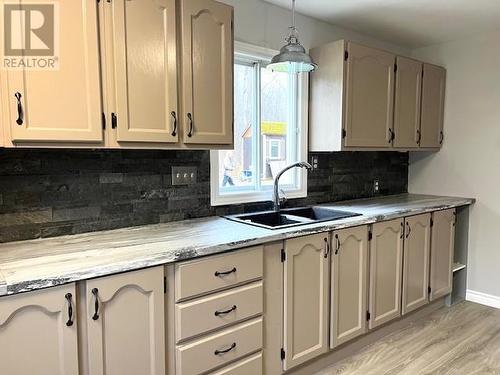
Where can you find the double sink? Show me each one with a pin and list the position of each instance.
(291, 217)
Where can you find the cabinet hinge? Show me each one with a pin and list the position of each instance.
(114, 121)
(344, 133)
(429, 290)
(346, 55)
(282, 354)
(368, 316)
(370, 235)
(103, 117)
(283, 255)
(165, 285)
(395, 68)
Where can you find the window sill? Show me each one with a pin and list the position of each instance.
(242, 198)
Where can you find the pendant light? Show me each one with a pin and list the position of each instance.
(292, 57)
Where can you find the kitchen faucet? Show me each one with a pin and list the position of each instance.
(276, 195)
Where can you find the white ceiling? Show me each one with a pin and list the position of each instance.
(410, 23)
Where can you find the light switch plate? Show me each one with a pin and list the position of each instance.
(184, 175)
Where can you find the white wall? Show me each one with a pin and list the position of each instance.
(266, 25)
(469, 163)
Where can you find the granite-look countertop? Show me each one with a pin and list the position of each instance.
(36, 264)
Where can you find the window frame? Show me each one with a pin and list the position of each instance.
(252, 54)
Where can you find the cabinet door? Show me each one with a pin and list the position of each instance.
(38, 333)
(207, 64)
(63, 104)
(442, 251)
(349, 284)
(125, 323)
(433, 91)
(369, 97)
(407, 103)
(306, 299)
(386, 269)
(145, 71)
(416, 262)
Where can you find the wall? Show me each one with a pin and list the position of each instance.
(469, 163)
(266, 25)
(46, 193)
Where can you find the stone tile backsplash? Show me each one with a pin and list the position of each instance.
(47, 193)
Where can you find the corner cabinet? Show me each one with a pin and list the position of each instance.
(38, 332)
(349, 287)
(306, 289)
(63, 104)
(124, 315)
(363, 98)
(207, 72)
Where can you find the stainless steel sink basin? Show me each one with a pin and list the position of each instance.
(291, 217)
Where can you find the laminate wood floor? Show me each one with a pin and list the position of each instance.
(464, 339)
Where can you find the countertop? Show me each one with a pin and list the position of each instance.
(36, 264)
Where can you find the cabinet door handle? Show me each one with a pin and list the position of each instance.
(20, 112)
(419, 136)
(337, 246)
(408, 230)
(174, 132)
(95, 292)
(219, 352)
(224, 312)
(392, 135)
(224, 273)
(327, 247)
(190, 118)
(441, 137)
(402, 230)
(68, 297)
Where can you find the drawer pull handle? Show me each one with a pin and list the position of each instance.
(224, 312)
(95, 291)
(221, 274)
(219, 352)
(68, 297)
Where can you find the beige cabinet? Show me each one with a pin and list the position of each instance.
(207, 72)
(61, 104)
(369, 97)
(416, 262)
(306, 287)
(386, 268)
(38, 332)
(407, 103)
(442, 252)
(142, 70)
(349, 273)
(125, 323)
(433, 92)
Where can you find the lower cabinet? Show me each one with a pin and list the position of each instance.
(38, 333)
(386, 268)
(349, 260)
(306, 290)
(442, 246)
(416, 262)
(125, 323)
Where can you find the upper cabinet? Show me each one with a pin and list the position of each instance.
(138, 48)
(62, 103)
(207, 72)
(433, 89)
(366, 99)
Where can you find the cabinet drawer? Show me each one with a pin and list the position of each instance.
(206, 354)
(248, 366)
(219, 272)
(219, 310)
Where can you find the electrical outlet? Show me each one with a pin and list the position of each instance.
(184, 175)
(376, 186)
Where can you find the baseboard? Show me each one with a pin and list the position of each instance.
(483, 298)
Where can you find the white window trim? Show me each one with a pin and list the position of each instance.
(252, 52)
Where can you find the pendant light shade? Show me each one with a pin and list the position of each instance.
(292, 57)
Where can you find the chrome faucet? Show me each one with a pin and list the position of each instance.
(276, 195)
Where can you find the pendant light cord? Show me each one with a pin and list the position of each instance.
(292, 36)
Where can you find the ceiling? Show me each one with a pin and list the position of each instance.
(409, 23)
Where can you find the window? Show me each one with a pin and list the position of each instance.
(270, 130)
